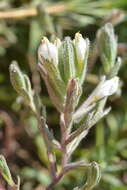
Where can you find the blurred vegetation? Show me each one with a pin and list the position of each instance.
(20, 140)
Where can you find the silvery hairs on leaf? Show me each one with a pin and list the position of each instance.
(16, 76)
(107, 43)
(22, 85)
(5, 172)
(93, 176)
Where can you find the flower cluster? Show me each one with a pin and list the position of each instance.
(69, 57)
(61, 61)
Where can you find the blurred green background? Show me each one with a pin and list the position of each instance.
(20, 140)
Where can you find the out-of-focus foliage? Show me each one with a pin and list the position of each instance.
(21, 142)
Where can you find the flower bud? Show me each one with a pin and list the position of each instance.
(57, 43)
(107, 88)
(48, 66)
(48, 52)
(67, 60)
(21, 84)
(107, 43)
(81, 48)
(17, 78)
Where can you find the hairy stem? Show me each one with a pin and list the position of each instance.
(66, 169)
(55, 181)
(64, 133)
(51, 157)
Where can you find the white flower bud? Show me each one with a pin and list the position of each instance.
(81, 46)
(107, 88)
(48, 51)
(57, 43)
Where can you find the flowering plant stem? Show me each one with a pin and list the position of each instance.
(42, 128)
(62, 66)
(63, 147)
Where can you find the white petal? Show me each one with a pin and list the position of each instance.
(80, 45)
(108, 88)
(48, 51)
(57, 42)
